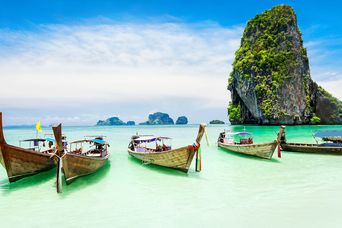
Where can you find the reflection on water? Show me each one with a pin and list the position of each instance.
(26, 182)
(85, 181)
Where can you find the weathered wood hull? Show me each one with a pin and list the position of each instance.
(264, 150)
(311, 148)
(180, 158)
(79, 165)
(20, 162)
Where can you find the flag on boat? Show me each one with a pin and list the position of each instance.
(38, 127)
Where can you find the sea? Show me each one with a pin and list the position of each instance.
(232, 190)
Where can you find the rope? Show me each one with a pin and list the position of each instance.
(55, 154)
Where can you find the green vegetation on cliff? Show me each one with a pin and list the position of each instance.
(333, 100)
(270, 82)
(234, 112)
(267, 56)
(315, 119)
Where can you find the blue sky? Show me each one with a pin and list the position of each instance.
(130, 58)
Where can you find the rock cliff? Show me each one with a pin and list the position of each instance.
(112, 121)
(130, 123)
(158, 118)
(270, 82)
(216, 122)
(182, 120)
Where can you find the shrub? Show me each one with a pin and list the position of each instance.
(234, 112)
(315, 119)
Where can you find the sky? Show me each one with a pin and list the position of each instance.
(77, 62)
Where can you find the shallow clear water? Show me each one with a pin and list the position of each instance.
(298, 190)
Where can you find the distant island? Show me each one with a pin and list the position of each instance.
(182, 120)
(216, 122)
(158, 118)
(271, 82)
(114, 121)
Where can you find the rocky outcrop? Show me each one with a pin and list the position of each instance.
(130, 123)
(182, 120)
(270, 82)
(158, 118)
(216, 122)
(326, 107)
(112, 121)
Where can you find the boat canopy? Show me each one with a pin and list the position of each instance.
(145, 139)
(244, 133)
(328, 133)
(98, 141)
(148, 139)
(33, 140)
(50, 139)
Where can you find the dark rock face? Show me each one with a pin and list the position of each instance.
(130, 123)
(112, 121)
(216, 122)
(158, 118)
(182, 120)
(270, 82)
(326, 107)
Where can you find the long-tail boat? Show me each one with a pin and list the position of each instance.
(79, 161)
(242, 142)
(20, 162)
(160, 152)
(332, 143)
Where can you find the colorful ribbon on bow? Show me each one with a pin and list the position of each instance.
(197, 149)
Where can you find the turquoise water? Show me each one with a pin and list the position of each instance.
(298, 190)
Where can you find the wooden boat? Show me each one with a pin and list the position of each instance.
(77, 161)
(162, 154)
(20, 162)
(245, 145)
(332, 143)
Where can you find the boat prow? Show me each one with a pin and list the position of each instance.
(180, 158)
(263, 150)
(75, 166)
(76, 162)
(323, 148)
(245, 145)
(20, 162)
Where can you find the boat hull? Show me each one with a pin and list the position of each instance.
(264, 150)
(311, 148)
(180, 158)
(79, 165)
(20, 163)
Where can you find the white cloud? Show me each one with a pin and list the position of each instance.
(78, 74)
(73, 67)
(325, 64)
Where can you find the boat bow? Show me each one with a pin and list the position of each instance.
(57, 131)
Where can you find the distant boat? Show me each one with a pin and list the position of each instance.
(22, 162)
(158, 151)
(331, 143)
(242, 142)
(80, 161)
